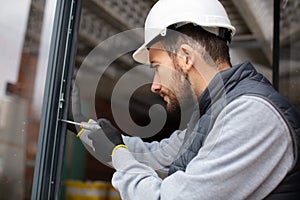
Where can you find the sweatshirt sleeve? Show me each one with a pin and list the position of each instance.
(157, 155)
(245, 156)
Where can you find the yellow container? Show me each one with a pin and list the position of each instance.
(113, 194)
(79, 190)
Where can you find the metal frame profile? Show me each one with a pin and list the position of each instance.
(49, 159)
(276, 44)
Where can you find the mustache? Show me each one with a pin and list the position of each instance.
(168, 93)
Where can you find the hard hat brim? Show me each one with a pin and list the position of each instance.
(141, 55)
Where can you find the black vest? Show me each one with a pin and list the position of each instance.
(224, 88)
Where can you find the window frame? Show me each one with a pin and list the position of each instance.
(51, 142)
(276, 45)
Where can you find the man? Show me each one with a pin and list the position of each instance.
(242, 141)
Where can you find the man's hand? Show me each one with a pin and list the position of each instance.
(101, 142)
(97, 144)
(111, 132)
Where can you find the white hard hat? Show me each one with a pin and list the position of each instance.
(209, 14)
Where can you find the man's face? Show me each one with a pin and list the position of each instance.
(169, 81)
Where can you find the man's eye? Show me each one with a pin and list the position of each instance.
(154, 66)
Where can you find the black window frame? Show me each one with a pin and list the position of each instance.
(51, 142)
(276, 44)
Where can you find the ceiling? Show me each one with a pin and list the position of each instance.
(102, 19)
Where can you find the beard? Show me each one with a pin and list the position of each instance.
(180, 96)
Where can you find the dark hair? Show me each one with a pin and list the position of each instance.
(213, 48)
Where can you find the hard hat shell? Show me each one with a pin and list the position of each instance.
(209, 14)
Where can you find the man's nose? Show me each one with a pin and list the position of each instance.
(156, 85)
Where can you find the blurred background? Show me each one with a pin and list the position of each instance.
(26, 29)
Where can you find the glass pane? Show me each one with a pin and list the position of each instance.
(289, 82)
(25, 33)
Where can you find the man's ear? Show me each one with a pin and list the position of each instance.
(187, 57)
